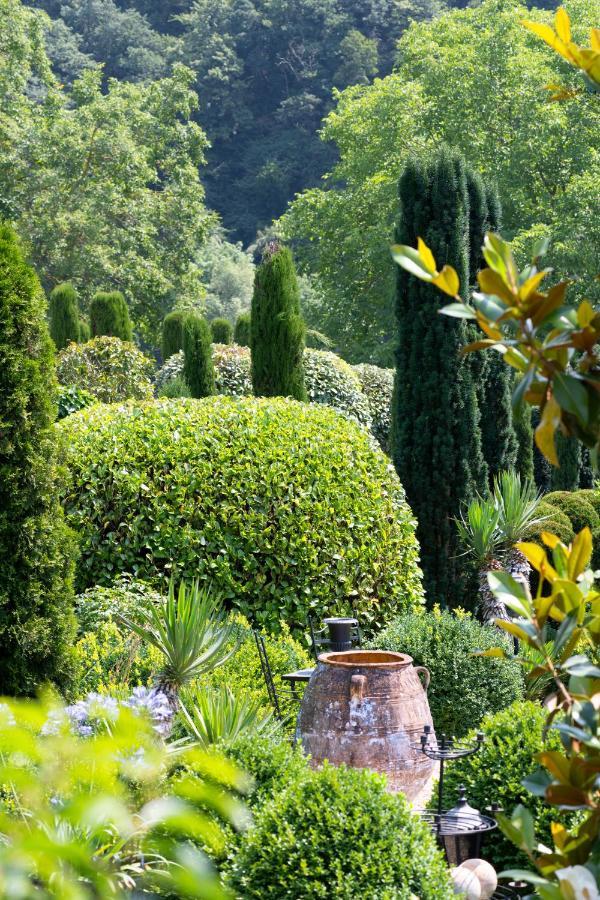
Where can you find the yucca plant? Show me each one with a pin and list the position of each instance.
(479, 532)
(191, 631)
(491, 527)
(217, 715)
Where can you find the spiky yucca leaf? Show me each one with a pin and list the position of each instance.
(216, 715)
(478, 530)
(517, 502)
(191, 631)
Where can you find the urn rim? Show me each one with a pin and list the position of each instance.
(366, 659)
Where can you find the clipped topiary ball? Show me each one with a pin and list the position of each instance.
(221, 331)
(336, 832)
(284, 506)
(555, 522)
(377, 385)
(577, 507)
(464, 688)
(272, 761)
(494, 774)
(330, 380)
(109, 368)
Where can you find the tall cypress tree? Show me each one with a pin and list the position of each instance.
(172, 333)
(436, 438)
(36, 548)
(241, 334)
(276, 328)
(64, 315)
(109, 315)
(492, 377)
(198, 367)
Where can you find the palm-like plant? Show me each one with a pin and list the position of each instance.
(479, 532)
(191, 631)
(491, 527)
(215, 715)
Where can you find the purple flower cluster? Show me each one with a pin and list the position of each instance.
(156, 705)
(85, 717)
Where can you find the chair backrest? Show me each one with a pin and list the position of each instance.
(276, 693)
(321, 642)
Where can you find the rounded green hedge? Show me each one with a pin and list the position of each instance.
(109, 368)
(336, 832)
(555, 521)
(576, 507)
(286, 507)
(494, 774)
(464, 688)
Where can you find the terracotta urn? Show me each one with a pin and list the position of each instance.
(367, 709)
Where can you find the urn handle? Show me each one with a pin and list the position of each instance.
(426, 676)
(357, 687)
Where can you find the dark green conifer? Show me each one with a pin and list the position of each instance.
(524, 431)
(85, 332)
(64, 315)
(198, 368)
(37, 550)
(241, 334)
(565, 476)
(172, 333)
(436, 437)
(221, 330)
(276, 327)
(109, 315)
(493, 379)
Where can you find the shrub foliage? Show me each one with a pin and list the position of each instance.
(377, 384)
(330, 380)
(241, 333)
(109, 315)
(64, 315)
(108, 368)
(464, 688)
(285, 507)
(221, 331)
(36, 548)
(172, 333)
(336, 832)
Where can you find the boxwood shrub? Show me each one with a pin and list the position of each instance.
(464, 688)
(576, 507)
(377, 384)
(284, 506)
(330, 380)
(555, 521)
(110, 369)
(272, 762)
(336, 832)
(494, 774)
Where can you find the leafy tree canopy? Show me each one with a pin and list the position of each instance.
(473, 78)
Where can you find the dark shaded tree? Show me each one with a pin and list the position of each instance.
(524, 431)
(37, 550)
(276, 327)
(221, 330)
(198, 368)
(172, 333)
(241, 333)
(64, 315)
(565, 476)
(109, 315)
(436, 436)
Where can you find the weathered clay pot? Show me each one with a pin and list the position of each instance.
(367, 708)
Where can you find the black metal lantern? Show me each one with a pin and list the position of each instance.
(340, 633)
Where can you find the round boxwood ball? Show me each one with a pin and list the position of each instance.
(336, 832)
(578, 509)
(285, 507)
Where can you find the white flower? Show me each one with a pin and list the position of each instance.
(577, 883)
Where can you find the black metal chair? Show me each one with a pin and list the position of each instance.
(277, 694)
(338, 635)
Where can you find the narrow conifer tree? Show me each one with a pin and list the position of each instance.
(109, 315)
(241, 334)
(85, 332)
(276, 327)
(198, 368)
(172, 333)
(64, 315)
(493, 377)
(436, 438)
(37, 550)
(524, 432)
(221, 330)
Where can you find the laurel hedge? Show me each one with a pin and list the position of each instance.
(285, 506)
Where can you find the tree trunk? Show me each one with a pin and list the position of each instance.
(489, 607)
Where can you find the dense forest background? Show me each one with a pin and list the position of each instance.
(153, 147)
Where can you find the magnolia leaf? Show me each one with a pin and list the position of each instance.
(447, 281)
(581, 553)
(562, 24)
(571, 394)
(491, 282)
(544, 433)
(426, 255)
(458, 311)
(585, 313)
(550, 540)
(409, 259)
